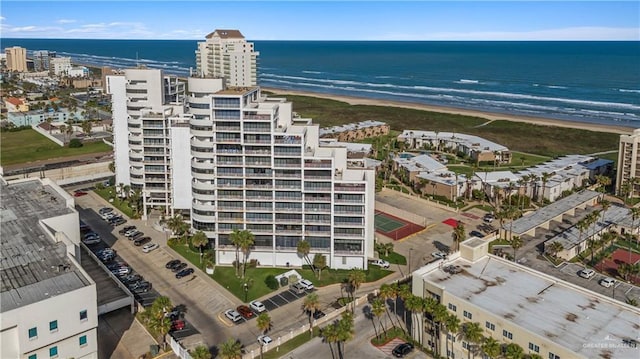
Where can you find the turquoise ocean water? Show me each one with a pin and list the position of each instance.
(597, 82)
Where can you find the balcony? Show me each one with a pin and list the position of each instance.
(311, 188)
(318, 164)
(228, 128)
(136, 171)
(206, 122)
(202, 133)
(195, 141)
(210, 185)
(350, 188)
(208, 197)
(228, 139)
(288, 140)
(202, 218)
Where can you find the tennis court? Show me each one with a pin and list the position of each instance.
(394, 227)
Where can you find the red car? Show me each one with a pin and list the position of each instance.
(245, 311)
(177, 325)
(79, 193)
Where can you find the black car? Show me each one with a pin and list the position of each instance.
(118, 222)
(402, 349)
(136, 236)
(141, 287)
(131, 278)
(184, 273)
(178, 267)
(318, 314)
(172, 263)
(140, 241)
(126, 229)
(476, 234)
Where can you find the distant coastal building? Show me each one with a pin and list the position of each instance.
(42, 59)
(226, 54)
(542, 314)
(61, 65)
(628, 174)
(430, 176)
(16, 58)
(15, 104)
(49, 303)
(477, 148)
(355, 131)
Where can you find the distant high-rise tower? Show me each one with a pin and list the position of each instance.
(42, 59)
(16, 58)
(629, 165)
(226, 54)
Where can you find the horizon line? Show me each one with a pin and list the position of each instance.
(333, 40)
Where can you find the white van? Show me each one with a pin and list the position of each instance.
(587, 273)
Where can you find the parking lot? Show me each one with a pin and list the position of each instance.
(283, 298)
(621, 290)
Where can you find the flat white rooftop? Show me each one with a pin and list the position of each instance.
(575, 318)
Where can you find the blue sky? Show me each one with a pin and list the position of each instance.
(324, 20)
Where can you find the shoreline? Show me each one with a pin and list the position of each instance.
(490, 116)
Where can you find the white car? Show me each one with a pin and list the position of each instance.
(607, 282)
(233, 315)
(306, 284)
(440, 255)
(264, 340)
(380, 263)
(587, 273)
(257, 306)
(149, 247)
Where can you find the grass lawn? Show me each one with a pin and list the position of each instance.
(392, 333)
(289, 345)
(332, 276)
(624, 244)
(188, 254)
(28, 146)
(395, 258)
(226, 276)
(107, 193)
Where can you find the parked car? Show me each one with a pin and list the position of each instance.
(172, 263)
(91, 235)
(306, 284)
(587, 273)
(401, 350)
(108, 215)
(131, 232)
(185, 272)
(118, 221)
(177, 325)
(264, 340)
(104, 210)
(607, 282)
(79, 193)
(178, 267)
(149, 247)
(84, 227)
(131, 278)
(317, 314)
(488, 218)
(297, 288)
(126, 229)
(141, 287)
(439, 255)
(233, 315)
(91, 240)
(245, 311)
(380, 263)
(136, 236)
(121, 270)
(140, 241)
(106, 257)
(257, 306)
(476, 234)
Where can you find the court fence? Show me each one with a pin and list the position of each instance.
(400, 213)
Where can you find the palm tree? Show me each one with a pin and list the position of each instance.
(355, 279)
(516, 243)
(458, 235)
(310, 305)
(414, 305)
(631, 301)
(603, 182)
(491, 347)
(624, 270)
(177, 225)
(345, 330)
(199, 240)
(554, 248)
(330, 335)
(582, 226)
(319, 263)
(377, 309)
(304, 248)
(452, 325)
(439, 313)
(263, 322)
(160, 325)
(160, 306)
(243, 240)
(472, 333)
(86, 127)
(231, 349)
(514, 351)
(544, 177)
(200, 352)
(635, 214)
(605, 206)
(534, 186)
(388, 292)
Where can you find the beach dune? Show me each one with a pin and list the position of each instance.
(490, 116)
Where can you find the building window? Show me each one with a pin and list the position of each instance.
(534, 347)
(33, 333)
(490, 325)
(53, 326)
(450, 354)
(53, 352)
(83, 315)
(507, 334)
(467, 314)
(33, 356)
(553, 356)
(466, 345)
(83, 340)
(451, 337)
(452, 307)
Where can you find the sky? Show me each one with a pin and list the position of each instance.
(323, 20)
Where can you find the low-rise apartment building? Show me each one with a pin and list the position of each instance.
(355, 131)
(515, 304)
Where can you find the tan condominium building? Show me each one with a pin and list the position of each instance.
(16, 58)
(629, 165)
(226, 54)
(511, 303)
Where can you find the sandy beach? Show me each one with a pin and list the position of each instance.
(488, 115)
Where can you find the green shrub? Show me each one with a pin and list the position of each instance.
(75, 143)
(271, 282)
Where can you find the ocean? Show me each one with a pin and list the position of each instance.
(595, 82)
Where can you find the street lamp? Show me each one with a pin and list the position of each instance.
(246, 290)
(410, 250)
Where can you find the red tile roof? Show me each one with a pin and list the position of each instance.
(15, 101)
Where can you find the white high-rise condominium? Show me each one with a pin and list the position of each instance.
(226, 54)
(237, 160)
(628, 173)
